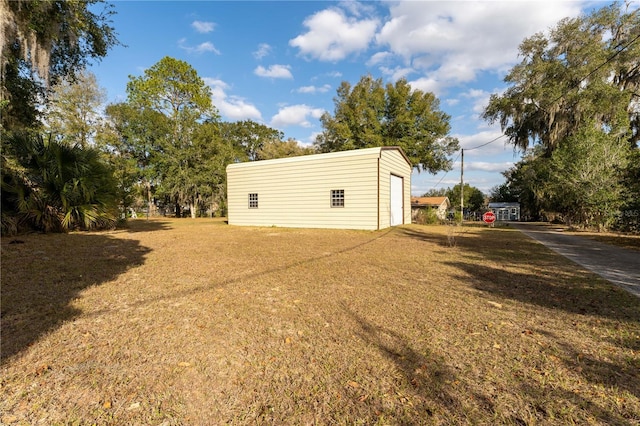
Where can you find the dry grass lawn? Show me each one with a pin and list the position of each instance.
(196, 322)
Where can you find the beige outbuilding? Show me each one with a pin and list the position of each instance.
(360, 189)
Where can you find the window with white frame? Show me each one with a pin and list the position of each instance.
(337, 198)
(253, 201)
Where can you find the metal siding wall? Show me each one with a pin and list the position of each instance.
(296, 192)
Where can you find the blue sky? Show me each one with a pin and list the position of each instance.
(279, 63)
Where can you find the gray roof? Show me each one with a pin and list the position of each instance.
(503, 205)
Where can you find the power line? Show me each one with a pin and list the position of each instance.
(486, 143)
(446, 173)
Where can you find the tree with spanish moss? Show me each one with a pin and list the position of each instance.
(574, 99)
(42, 42)
(584, 72)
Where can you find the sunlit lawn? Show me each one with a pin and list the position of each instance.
(197, 322)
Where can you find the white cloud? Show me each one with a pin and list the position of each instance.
(484, 166)
(206, 47)
(236, 108)
(296, 115)
(480, 99)
(356, 8)
(474, 93)
(203, 27)
(424, 182)
(201, 48)
(314, 89)
(263, 50)
(231, 107)
(457, 68)
(332, 35)
(379, 58)
(215, 84)
(424, 62)
(335, 74)
(274, 71)
(426, 84)
(396, 73)
(450, 42)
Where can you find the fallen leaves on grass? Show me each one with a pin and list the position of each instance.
(42, 369)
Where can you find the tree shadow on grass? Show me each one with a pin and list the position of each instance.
(575, 292)
(43, 274)
(426, 377)
(438, 239)
(145, 225)
(542, 278)
(604, 374)
(598, 414)
(513, 267)
(608, 372)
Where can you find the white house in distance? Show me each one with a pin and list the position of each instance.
(506, 211)
(360, 189)
(441, 205)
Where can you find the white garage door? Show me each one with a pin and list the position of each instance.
(397, 216)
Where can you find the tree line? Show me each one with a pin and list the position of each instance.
(66, 165)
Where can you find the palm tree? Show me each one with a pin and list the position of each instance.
(51, 186)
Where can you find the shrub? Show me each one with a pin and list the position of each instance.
(51, 186)
(426, 216)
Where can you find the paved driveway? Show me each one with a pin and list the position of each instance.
(619, 265)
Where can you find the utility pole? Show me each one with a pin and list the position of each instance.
(462, 187)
